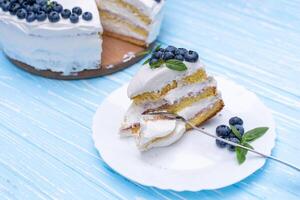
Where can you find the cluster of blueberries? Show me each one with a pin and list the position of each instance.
(40, 10)
(225, 132)
(172, 52)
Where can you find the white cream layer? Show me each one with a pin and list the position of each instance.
(134, 112)
(60, 47)
(153, 80)
(159, 133)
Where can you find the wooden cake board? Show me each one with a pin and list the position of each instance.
(116, 55)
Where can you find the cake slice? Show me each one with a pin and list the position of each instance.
(135, 21)
(173, 80)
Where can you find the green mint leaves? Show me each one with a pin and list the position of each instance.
(175, 65)
(249, 136)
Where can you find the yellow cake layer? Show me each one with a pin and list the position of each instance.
(196, 77)
(206, 114)
(134, 10)
(106, 15)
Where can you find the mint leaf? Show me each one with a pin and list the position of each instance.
(176, 65)
(143, 53)
(254, 134)
(147, 61)
(236, 132)
(157, 47)
(156, 64)
(241, 153)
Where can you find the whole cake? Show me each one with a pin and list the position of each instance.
(172, 80)
(66, 35)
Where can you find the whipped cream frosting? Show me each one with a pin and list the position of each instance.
(147, 79)
(159, 133)
(60, 47)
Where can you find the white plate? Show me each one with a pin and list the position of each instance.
(195, 162)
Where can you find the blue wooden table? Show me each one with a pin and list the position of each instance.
(46, 148)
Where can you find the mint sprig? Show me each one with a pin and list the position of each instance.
(249, 136)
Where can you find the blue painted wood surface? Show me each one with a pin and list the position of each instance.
(46, 148)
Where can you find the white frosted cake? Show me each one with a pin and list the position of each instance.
(66, 35)
(172, 80)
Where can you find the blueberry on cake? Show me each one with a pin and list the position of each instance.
(172, 80)
(66, 35)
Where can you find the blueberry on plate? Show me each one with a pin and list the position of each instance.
(87, 16)
(21, 13)
(160, 49)
(231, 147)
(179, 57)
(181, 51)
(220, 143)
(235, 120)
(30, 17)
(74, 18)
(191, 56)
(65, 13)
(46, 8)
(41, 16)
(223, 131)
(171, 49)
(240, 129)
(53, 16)
(168, 55)
(77, 10)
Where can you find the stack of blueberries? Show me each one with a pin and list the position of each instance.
(172, 52)
(40, 10)
(225, 132)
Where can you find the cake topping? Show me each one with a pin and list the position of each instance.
(40, 10)
(172, 57)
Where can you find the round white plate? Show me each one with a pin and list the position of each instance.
(194, 163)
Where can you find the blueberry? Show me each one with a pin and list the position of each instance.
(181, 51)
(13, 8)
(41, 2)
(158, 1)
(77, 10)
(5, 5)
(240, 129)
(191, 56)
(158, 55)
(47, 8)
(21, 13)
(152, 61)
(87, 16)
(36, 8)
(41, 16)
(171, 49)
(231, 147)
(179, 57)
(223, 131)
(220, 143)
(168, 55)
(65, 13)
(27, 6)
(58, 8)
(235, 120)
(74, 18)
(30, 17)
(53, 17)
